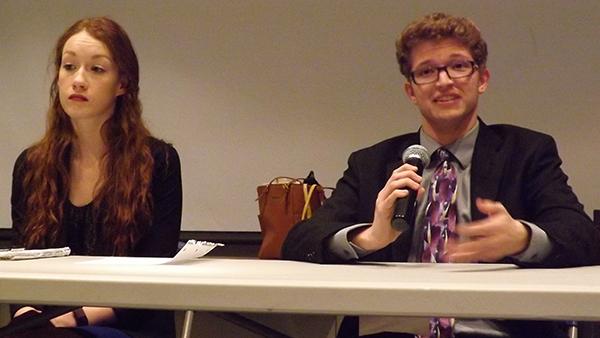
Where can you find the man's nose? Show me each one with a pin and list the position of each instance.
(444, 77)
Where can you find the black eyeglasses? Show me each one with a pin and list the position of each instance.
(455, 70)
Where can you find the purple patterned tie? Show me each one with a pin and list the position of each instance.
(440, 223)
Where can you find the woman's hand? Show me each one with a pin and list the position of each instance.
(25, 309)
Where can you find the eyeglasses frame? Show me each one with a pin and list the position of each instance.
(474, 68)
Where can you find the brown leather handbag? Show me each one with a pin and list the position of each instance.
(282, 203)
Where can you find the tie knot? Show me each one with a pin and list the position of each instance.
(441, 155)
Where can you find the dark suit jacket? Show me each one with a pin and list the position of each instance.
(518, 167)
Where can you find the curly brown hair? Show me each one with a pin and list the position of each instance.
(439, 26)
(123, 191)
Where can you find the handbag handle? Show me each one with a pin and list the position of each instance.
(274, 181)
(307, 189)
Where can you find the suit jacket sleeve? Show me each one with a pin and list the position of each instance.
(306, 240)
(554, 207)
(522, 169)
(352, 202)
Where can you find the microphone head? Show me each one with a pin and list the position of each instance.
(418, 152)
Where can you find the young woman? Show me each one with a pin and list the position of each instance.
(97, 181)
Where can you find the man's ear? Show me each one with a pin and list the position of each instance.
(484, 78)
(410, 91)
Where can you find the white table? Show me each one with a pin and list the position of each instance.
(250, 285)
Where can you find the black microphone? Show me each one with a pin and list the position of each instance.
(405, 210)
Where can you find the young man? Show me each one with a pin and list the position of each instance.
(509, 200)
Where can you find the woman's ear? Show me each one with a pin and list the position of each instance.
(122, 89)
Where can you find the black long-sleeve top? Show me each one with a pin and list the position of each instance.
(81, 232)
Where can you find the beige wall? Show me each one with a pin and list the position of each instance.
(252, 89)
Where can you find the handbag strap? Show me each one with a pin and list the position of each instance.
(307, 211)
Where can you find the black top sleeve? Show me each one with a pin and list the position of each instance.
(160, 240)
(163, 234)
(17, 199)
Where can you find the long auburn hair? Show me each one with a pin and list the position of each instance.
(122, 193)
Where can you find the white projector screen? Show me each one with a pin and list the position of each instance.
(248, 90)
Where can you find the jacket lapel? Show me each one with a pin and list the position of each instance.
(487, 166)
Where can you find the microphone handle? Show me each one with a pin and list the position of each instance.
(405, 210)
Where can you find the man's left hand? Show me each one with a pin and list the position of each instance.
(489, 239)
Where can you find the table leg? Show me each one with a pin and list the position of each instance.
(573, 329)
(187, 324)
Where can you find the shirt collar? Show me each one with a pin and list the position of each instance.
(461, 149)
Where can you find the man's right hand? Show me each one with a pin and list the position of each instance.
(381, 233)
